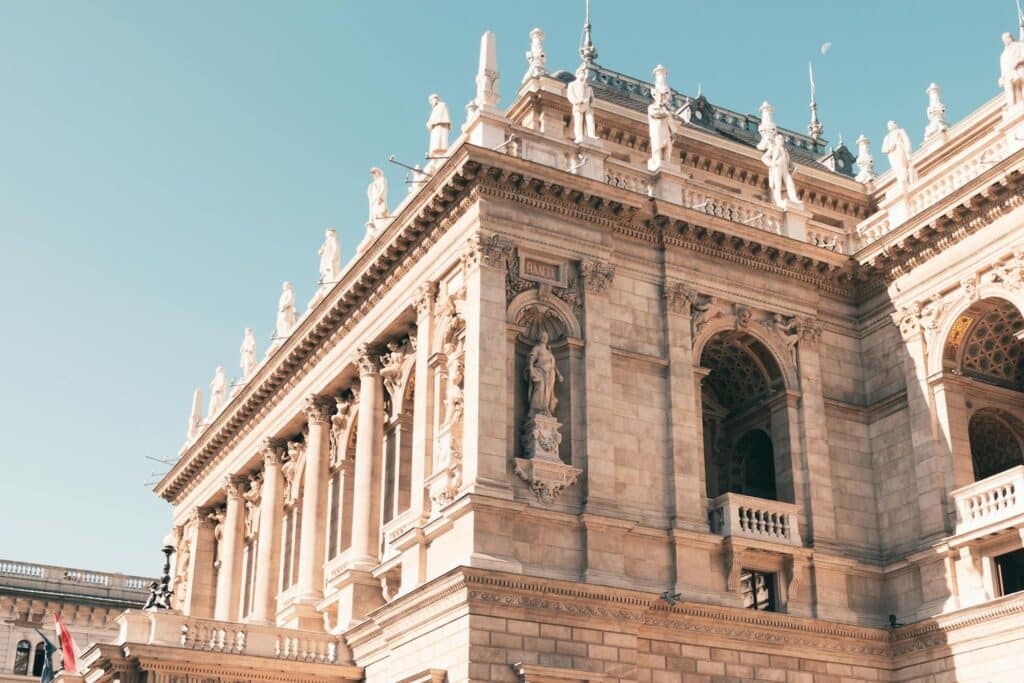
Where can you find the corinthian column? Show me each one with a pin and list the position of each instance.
(314, 499)
(268, 547)
(369, 438)
(229, 578)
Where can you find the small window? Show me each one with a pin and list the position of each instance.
(40, 659)
(758, 590)
(21, 655)
(1010, 571)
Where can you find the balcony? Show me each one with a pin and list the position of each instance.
(759, 519)
(990, 505)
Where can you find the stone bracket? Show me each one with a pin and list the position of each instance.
(546, 479)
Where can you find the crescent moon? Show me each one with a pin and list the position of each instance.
(825, 47)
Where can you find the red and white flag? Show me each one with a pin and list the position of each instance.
(67, 646)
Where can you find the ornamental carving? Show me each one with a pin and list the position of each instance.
(234, 485)
(1010, 273)
(969, 287)
(252, 505)
(788, 329)
(679, 298)
(318, 408)
(515, 284)
(908, 319)
(367, 360)
(424, 298)
(444, 484)
(491, 250)
(743, 314)
(395, 365)
(547, 479)
(291, 470)
(702, 311)
(339, 428)
(811, 330)
(273, 452)
(597, 275)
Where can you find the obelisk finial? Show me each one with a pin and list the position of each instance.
(814, 128)
(588, 52)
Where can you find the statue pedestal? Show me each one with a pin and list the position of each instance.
(668, 187)
(794, 221)
(541, 437)
(486, 127)
(541, 467)
(658, 166)
(1012, 126)
(898, 200)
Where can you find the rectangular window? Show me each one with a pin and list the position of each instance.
(1010, 572)
(758, 590)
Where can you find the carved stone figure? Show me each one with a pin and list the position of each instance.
(581, 97)
(936, 113)
(865, 161)
(780, 172)
(536, 56)
(217, 518)
(542, 374)
(285, 311)
(248, 353)
(330, 258)
(659, 120)
(439, 123)
(1011, 70)
(767, 127)
(896, 145)
(218, 393)
(377, 194)
(195, 420)
(456, 379)
(252, 505)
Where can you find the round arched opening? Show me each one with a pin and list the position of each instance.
(995, 442)
(984, 343)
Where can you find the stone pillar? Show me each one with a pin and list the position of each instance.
(369, 442)
(229, 578)
(815, 439)
(599, 388)
(201, 583)
(312, 546)
(269, 544)
(358, 591)
(687, 444)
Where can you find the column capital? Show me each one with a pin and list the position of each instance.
(273, 451)
(235, 485)
(318, 408)
(597, 275)
(368, 360)
(678, 296)
(424, 298)
(201, 516)
(493, 251)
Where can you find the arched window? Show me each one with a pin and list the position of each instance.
(995, 444)
(39, 659)
(756, 456)
(21, 654)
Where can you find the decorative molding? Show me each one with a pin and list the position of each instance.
(367, 360)
(597, 276)
(423, 300)
(547, 479)
(679, 297)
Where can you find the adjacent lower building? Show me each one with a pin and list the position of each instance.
(629, 387)
(88, 602)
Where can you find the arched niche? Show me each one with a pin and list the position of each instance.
(996, 444)
(746, 413)
(528, 314)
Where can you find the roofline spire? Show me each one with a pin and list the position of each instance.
(588, 51)
(814, 128)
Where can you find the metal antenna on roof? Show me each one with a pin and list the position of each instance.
(1020, 21)
(814, 128)
(587, 51)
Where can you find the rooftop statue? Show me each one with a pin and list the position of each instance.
(659, 120)
(780, 172)
(767, 128)
(936, 113)
(542, 374)
(330, 258)
(536, 56)
(218, 393)
(195, 420)
(439, 123)
(1011, 70)
(377, 194)
(581, 97)
(248, 352)
(285, 311)
(896, 145)
(865, 161)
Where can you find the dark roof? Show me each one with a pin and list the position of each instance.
(635, 94)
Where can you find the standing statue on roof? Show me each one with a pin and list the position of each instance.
(581, 97)
(248, 353)
(218, 393)
(439, 123)
(330, 258)
(285, 311)
(780, 172)
(377, 194)
(896, 145)
(1011, 70)
(659, 120)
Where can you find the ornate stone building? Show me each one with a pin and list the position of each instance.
(88, 602)
(588, 408)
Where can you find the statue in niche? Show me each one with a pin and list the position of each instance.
(780, 172)
(377, 194)
(542, 374)
(581, 97)
(252, 505)
(218, 393)
(439, 123)
(330, 258)
(456, 378)
(896, 145)
(285, 311)
(1011, 70)
(248, 352)
(217, 518)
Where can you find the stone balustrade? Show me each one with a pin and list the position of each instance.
(993, 502)
(626, 178)
(731, 208)
(732, 514)
(50, 576)
(171, 629)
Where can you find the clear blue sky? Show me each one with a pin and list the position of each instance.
(164, 166)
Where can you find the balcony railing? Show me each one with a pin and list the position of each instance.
(170, 629)
(732, 514)
(990, 503)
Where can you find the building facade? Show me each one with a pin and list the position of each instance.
(88, 602)
(629, 387)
